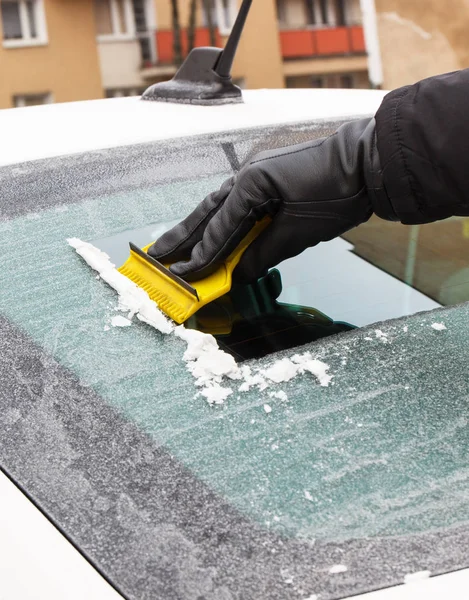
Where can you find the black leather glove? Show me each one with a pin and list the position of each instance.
(314, 192)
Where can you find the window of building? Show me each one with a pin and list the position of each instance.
(23, 22)
(298, 14)
(114, 18)
(346, 81)
(226, 10)
(223, 14)
(323, 6)
(140, 15)
(126, 20)
(32, 99)
(310, 12)
(328, 80)
(124, 92)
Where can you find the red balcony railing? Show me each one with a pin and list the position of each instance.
(322, 42)
(164, 42)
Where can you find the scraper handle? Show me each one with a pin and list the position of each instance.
(234, 258)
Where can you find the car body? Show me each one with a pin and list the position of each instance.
(343, 489)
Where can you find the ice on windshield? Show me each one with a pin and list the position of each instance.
(337, 461)
(431, 258)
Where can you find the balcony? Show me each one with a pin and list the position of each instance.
(331, 41)
(165, 38)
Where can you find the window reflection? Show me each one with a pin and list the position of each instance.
(432, 258)
(249, 322)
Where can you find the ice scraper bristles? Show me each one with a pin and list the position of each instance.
(174, 296)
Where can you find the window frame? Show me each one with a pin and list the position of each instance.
(41, 38)
(131, 33)
(319, 14)
(117, 34)
(220, 13)
(122, 92)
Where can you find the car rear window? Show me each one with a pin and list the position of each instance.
(300, 488)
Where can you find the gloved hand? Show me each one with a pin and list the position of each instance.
(314, 192)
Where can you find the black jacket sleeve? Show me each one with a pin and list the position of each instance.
(422, 133)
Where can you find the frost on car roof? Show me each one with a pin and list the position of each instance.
(71, 127)
(260, 496)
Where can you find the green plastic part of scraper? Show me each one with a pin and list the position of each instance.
(175, 297)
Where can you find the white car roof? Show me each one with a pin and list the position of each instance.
(58, 129)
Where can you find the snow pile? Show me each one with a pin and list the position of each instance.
(131, 298)
(206, 361)
(439, 326)
(306, 363)
(280, 371)
(280, 395)
(284, 369)
(209, 365)
(216, 394)
(250, 380)
(120, 321)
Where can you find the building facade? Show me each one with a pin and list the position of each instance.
(48, 52)
(66, 50)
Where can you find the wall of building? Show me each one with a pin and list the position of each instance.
(67, 66)
(258, 60)
(420, 38)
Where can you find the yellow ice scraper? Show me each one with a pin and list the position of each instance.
(174, 296)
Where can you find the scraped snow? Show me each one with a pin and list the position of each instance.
(207, 363)
(120, 321)
(131, 298)
(418, 576)
(205, 360)
(216, 394)
(306, 362)
(280, 395)
(337, 569)
(281, 370)
(439, 326)
(285, 369)
(251, 380)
